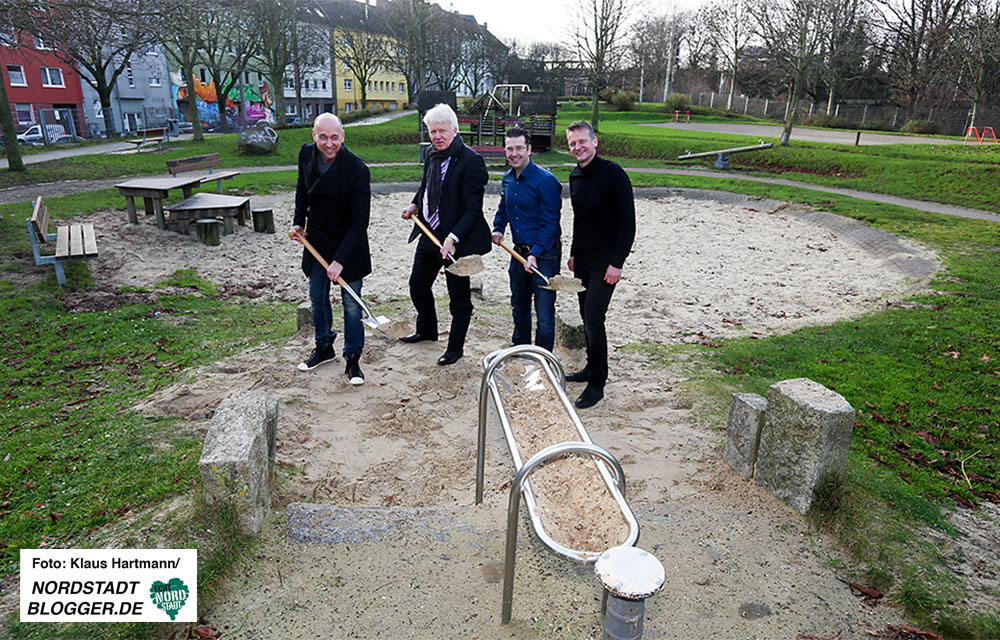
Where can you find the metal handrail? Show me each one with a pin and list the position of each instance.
(514, 504)
(490, 364)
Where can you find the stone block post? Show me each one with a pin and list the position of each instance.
(235, 460)
(746, 421)
(806, 437)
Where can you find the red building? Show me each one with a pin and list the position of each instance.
(41, 87)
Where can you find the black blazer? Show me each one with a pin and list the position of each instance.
(334, 208)
(461, 208)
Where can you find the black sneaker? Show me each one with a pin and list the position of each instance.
(318, 356)
(353, 371)
(583, 375)
(590, 396)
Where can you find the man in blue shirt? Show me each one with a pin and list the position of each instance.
(530, 201)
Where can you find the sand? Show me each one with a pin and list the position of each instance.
(403, 445)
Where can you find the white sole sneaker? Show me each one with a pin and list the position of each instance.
(356, 381)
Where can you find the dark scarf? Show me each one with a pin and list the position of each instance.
(434, 160)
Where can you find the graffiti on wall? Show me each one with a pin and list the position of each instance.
(258, 101)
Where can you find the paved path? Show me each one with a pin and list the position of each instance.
(125, 147)
(836, 136)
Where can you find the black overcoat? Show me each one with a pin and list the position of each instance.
(461, 208)
(334, 208)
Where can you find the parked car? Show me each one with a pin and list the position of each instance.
(185, 127)
(33, 134)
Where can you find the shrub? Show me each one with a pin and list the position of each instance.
(624, 100)
(920, 126)
(607, 94)
(676, 102)
(831, 122)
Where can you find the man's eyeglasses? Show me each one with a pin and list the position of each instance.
(519, 148)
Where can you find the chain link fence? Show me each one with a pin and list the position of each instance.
(855, 115)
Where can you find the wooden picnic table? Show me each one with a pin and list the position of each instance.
(153, 191)
(210, 205)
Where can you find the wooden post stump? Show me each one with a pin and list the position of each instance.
(263, 220)
(208, 231)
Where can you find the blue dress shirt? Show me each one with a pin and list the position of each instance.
(531, 204)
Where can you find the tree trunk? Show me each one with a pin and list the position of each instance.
(14, 161)
(595, 110)
(333, 70)
(279, 98)
(187, 72)
(829, 102)
(104, 94)
(220, 101)
(732, 87)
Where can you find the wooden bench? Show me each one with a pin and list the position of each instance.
(202, 162)
(73, 242)
(150, 136)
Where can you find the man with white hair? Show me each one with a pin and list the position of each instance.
(450, 202)
(332, 209)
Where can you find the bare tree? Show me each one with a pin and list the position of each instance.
(10, 22)
(597, 38)
(365, 51)
(648, 49)
(845, 44)
(98, 39)
(276, 45)
(412, 23)
(181, 42)
(980, 31)
(922, 39)
(484, 56)
(446, 52)
(728, 28)
(792, 31)
(227, 43)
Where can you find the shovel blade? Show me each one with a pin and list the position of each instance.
(466, 266)
(566, 283)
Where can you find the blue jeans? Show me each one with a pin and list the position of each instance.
(322, 313)
(525, 285)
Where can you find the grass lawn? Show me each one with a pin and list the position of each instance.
(924, 376)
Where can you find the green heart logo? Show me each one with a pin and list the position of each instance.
(169, 597)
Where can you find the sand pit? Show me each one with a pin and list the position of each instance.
(700, 270)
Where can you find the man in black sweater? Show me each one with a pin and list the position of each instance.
(332, 207)
(603, 232)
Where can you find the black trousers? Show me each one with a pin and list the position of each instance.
(426, 266)
(594, 301)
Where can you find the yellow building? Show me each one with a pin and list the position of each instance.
(385, 88)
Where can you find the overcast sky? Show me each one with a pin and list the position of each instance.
(542, 20)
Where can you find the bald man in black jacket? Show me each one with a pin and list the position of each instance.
(332, 209)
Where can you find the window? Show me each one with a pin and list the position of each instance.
(203, 76)
(344, 41)
(289, 83)
(16, 74)
(154, 79)
(324, 85)
(52, 77)
(290, 109)
(260, 79)
(347, 67)
(393, 87)
(246, 77)
(128, 73)
(98, 109)
(23, 113)
(401, 88)
(40, 44)
(369, 85)
(348, 107)
(348, 85)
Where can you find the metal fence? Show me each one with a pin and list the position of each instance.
(860, 115)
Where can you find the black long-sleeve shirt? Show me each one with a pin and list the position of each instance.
(603, 213)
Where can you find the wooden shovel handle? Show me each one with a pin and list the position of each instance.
(517, 255)
(430, 234)
(319, 258)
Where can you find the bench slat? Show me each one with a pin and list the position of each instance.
(75, 241)
(206, 161)
(222, 175)
(62, 243)
(89, 240)
(40, 220)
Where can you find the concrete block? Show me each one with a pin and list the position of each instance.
(235, 460)
(570, 336)
(806, 437)
(303, 316)
(746, 420)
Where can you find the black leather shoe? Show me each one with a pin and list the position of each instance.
(417, 337)
(449, 357)
(578, 376)
(590, 396)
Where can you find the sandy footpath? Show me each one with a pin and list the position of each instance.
(400, 450)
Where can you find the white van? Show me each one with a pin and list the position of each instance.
(33, 134)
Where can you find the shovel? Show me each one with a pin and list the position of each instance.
(556, 282)
(389, 327)
(466, 266)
